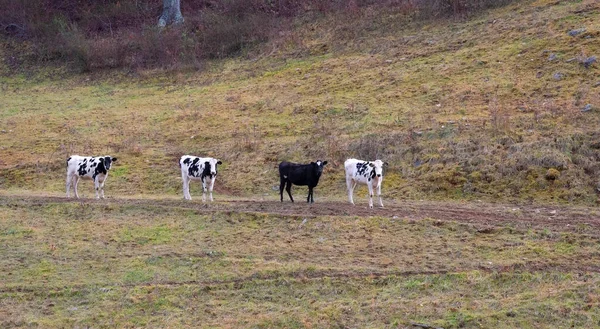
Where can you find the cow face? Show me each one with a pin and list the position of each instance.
(107, 160)
(210, 167)
(318, 167)
(378, 167)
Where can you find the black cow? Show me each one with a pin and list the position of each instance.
(300, 174)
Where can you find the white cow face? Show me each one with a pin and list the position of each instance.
(378, 167)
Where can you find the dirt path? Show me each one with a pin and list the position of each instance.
(483, 215)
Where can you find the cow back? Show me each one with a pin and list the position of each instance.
(299, 174)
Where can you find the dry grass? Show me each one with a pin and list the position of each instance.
(159, 265)
(460, 109)
(463, 109)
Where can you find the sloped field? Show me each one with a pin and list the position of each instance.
(483, 108)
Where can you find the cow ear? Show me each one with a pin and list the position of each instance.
(386, 164)
(325, 162)
(113, 159)
(219, 162)
(101, 160)
(207, 163)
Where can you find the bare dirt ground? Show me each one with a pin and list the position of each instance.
(483, 215)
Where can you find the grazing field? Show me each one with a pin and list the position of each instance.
(489, 123)
(485, 108)
(241, 263)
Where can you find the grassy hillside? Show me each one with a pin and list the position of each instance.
(482, 108)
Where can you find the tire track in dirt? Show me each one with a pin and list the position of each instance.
(317, 275)
(555, 218)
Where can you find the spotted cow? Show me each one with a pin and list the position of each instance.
(364, 172)
(196, 168)
(300, 174)
(94, 168)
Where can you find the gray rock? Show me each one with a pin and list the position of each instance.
(589, 61)
(558, 76)
(303, 222)
(576, 32)
(552, 57)
(597, 84)
(587, 108)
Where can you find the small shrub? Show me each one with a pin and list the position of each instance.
(475, 176)
(552, 174)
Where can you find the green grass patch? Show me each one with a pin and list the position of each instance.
(147, 235)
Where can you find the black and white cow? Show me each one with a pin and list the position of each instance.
(300, 174)
(95, 168)
(364, 172)
(196, 168)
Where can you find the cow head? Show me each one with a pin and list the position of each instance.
(107, 161)
(210, 167)
(378, 167)
(318, 167)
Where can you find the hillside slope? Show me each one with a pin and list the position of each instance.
(488, 108)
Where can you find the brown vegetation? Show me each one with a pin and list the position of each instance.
(460, 108)
(122, 34)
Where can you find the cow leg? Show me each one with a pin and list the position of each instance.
(75, 183)
(212, 184)
(370, 185)
(102, 187)
(96, 187)
(288, 188)
(281, 186)
(203, 190)
(186, 186)
(350, 186)
(186, 189)
(69, 179)
(308, 198)
(379, 193)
